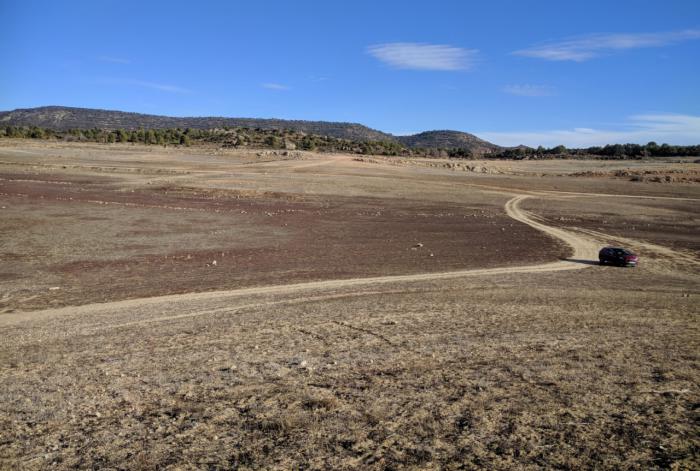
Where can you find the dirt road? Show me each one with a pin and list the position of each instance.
(584, 248)
(540, 364)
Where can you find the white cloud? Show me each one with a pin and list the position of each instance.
(588, 47)
(160, 86)
(530, 90)
(274, 86)
(163, 87)
(423, 56)
(676, 129)
(114, 60)
(318, 78)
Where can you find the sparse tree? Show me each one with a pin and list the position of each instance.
(150, 137)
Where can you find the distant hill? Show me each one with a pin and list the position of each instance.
(62, 118)
(448, 140)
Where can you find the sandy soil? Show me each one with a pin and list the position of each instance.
(325, 336)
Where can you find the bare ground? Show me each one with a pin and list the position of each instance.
(509, 350)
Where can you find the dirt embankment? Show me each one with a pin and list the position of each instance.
(647, 176)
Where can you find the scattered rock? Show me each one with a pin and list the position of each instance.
(298, 362)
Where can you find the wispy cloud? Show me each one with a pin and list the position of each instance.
(594, 45)
(423, 56)
(163, 87)
(530, 90)
(666, 127)
(318, 78)
(114, 60)
(274, 86)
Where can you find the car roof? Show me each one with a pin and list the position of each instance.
(619, 249)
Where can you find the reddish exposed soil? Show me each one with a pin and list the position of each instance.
(294, 238)
(555, 365)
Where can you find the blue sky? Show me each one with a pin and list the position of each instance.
(539, 72)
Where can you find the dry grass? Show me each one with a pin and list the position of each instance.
(495, 376)
(585, 369)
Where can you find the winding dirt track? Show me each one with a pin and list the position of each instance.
(584, 249)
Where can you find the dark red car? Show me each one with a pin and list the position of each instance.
(617, 256)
